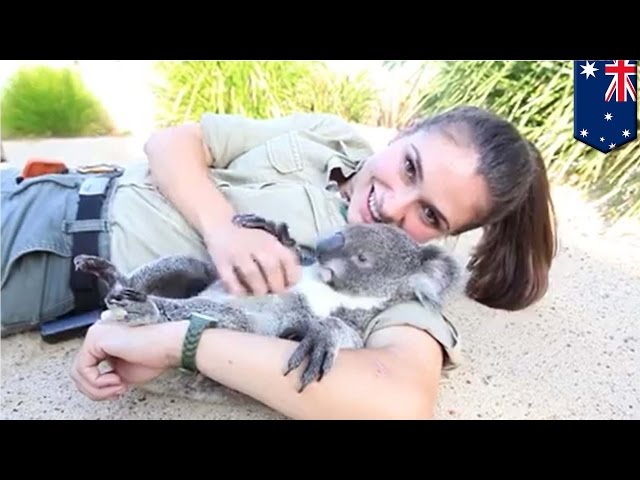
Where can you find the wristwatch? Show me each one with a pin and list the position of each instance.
(198, 323)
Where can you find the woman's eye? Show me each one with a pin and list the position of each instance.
(409, 168)
(430, 216)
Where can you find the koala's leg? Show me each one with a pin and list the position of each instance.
(175, 276)
(135, 308)
(321, 343)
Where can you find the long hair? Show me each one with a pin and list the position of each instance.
(509, 267)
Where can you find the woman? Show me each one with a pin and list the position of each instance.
(462, 169)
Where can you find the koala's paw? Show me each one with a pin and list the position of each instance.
(132, 307)
(280, 230)
(320, 344)
(97, 266)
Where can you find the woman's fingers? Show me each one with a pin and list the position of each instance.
(273, 271)
(229, 278)
(86, 374)
(280, 267)
(251, 261)
(290, 266)
(251, 274)
(110, 379)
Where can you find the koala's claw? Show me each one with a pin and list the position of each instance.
(321, 347)
(127, 294)
(133, 306)
(98, 266)
(91, 264)
(279, 230)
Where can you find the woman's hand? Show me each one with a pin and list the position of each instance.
(136, 355)
(252, 260)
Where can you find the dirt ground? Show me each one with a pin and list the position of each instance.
(575, 355)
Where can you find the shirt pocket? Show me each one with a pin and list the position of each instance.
(34, 215)
(285, 154)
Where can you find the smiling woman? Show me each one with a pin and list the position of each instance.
(426, 183)
(462, 169)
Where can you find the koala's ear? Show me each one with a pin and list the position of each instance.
(430, 252)
(426, 290)
(438, 273)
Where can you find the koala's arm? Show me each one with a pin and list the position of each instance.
(395, 376)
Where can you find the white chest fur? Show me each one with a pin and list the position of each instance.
(323, 299)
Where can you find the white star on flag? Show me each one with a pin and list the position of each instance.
(584, 133)
(608, 117)
(626, 133)
(589, 69)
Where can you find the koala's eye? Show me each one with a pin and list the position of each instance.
(361, 258)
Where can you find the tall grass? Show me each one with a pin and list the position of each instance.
(538, 97)
(259, 89)
(403, 95)
(42, 101)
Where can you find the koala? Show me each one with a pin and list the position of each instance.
(354, 274)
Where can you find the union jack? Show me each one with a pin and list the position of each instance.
(621, 82)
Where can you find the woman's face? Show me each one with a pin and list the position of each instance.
(425, 183)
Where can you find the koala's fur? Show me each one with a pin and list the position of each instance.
(357, 273)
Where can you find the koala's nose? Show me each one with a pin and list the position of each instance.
(330, 244)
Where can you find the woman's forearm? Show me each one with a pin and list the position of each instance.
(363, 383)
(178, 161)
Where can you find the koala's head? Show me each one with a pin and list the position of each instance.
(381, 260)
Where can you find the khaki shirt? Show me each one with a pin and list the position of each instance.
(278, 169)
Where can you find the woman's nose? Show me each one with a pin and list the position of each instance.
(396, 205)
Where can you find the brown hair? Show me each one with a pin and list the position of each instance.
(510, 265)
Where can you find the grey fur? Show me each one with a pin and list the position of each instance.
(359, 272)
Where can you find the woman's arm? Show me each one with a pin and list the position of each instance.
(246, 260)
(178, 162)
(395, 377)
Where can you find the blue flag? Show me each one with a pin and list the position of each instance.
(605, 103)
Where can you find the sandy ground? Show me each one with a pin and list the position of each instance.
(575, 355)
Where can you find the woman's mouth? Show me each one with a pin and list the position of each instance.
(374, 210)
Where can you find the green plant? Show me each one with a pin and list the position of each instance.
(402, 99)
(538, 97)
(258, 89)
(42, 101)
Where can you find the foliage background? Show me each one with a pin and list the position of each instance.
(259, 89)
(536, 95)
(42, 101)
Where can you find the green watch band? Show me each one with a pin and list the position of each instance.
(198, 323)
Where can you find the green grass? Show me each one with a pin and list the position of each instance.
(259, 89)
(42, 101)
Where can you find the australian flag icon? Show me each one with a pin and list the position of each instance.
(605, 103)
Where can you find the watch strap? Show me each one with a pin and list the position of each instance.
(198, 323)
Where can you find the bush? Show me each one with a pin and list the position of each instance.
(42, 101)
(538, 97)
(259, 89)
